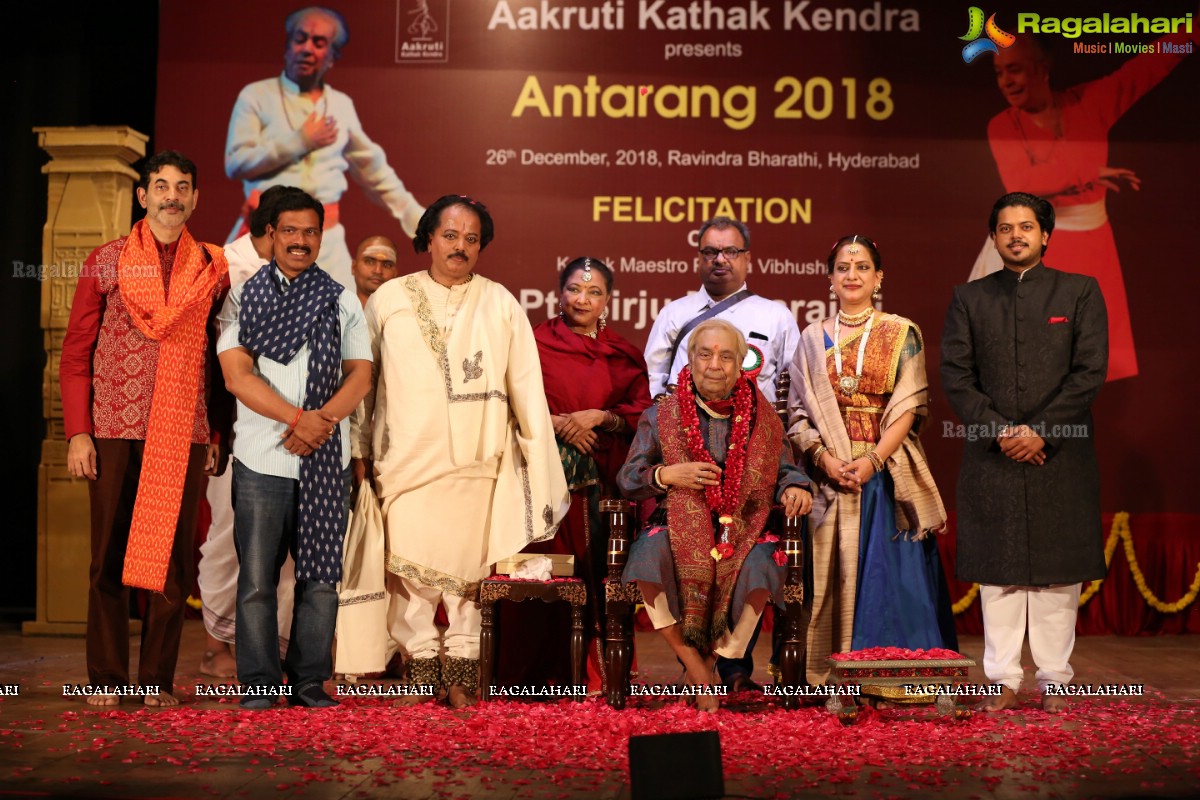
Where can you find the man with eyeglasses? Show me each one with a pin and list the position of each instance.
(768, 326)
(295, 353)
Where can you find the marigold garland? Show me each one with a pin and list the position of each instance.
(965, 601)
(1120, 531)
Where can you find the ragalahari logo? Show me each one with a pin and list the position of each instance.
(996, 40)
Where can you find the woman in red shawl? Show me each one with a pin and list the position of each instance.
(597, 389)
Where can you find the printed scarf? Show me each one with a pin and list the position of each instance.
(177, 319)
(275, 322)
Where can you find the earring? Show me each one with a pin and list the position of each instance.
(878, 289)
(603, 323)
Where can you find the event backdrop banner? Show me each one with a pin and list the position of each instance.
(614, 129)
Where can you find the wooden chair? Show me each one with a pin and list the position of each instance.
(621, 598)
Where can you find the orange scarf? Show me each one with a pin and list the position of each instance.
(178, 321)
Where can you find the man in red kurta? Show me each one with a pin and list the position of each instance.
(136, 374)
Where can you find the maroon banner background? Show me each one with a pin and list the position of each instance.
(441, 124)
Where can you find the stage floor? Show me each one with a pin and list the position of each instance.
(56, 746)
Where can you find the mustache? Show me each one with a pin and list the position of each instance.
(175, 204)
(299, 248)
(459, 254)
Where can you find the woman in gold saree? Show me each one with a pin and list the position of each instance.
(859, 398)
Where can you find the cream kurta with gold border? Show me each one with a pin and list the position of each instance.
(457, 400)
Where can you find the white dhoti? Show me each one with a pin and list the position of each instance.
(428, 573)
(1048, 613)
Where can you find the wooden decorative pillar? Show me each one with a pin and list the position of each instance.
(89, 200)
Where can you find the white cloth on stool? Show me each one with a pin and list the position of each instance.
(538, 568)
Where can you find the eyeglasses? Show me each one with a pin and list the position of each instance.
(710, 253)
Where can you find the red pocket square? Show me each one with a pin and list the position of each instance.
(1057, 320)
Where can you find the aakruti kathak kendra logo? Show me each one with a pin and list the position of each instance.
(421, 31)
(996, 40)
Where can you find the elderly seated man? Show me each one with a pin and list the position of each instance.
(716, 449)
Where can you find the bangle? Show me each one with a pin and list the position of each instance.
(876, 460)
(299, 413)
(657, 482)
(816, 455)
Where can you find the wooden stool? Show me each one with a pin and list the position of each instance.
(491, 590)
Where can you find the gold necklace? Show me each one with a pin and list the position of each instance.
(855, 320)
(848, 384)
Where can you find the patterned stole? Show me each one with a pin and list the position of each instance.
(177, 319)
(706, 586)
(275, 322)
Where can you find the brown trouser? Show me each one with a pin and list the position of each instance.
(119, 464)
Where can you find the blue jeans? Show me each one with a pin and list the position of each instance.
(264, 531)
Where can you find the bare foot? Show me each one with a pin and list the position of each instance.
(161, 699)
(410, 700)
(103, 700)
(1006, 700)
(218, 661)
(461, 697)
(1054, 703)
(708, 681)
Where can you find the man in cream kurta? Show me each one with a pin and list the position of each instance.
(297, 130)
(465, 462)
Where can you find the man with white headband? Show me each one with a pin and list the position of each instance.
(374, 264)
